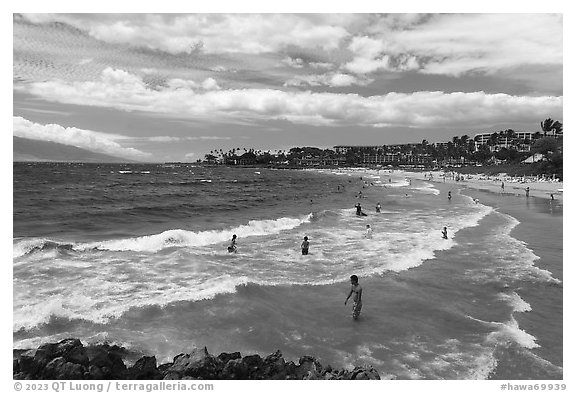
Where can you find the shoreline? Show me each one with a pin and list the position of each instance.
(538, 189)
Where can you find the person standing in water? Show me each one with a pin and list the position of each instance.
(444, 233)
(527, 192)
(305, 245)
(449, 195)
(359, 210)
(356, 290)
(232, 246)
(378, 207)
(368, 234)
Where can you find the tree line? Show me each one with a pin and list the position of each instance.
(502, 146)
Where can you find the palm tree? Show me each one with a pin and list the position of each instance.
(557, 126)
(547, 126)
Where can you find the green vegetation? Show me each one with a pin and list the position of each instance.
(502, 151)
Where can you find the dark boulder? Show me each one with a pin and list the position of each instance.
(225, 357)
(69, 359)
(253, 364)
(308, 368)
(198, 364)
(234, 369)
(105, 363)
(274, 366)
(144, 368)
(364, 372)
(59, 368)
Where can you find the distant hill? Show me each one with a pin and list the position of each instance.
(33, 150)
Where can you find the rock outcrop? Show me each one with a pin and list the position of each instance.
(70, 359)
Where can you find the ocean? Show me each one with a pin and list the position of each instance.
(135, 255)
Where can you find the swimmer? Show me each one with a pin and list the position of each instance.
(232, 246)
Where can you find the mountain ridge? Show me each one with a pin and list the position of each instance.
(28, 150)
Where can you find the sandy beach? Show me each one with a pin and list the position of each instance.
(538, 189)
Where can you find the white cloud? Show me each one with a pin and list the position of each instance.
(321, 65)
(293, 62)
(163, 139)
(210, 84)
(211, 33)
(170, 139)
(85, 139)
(330, 79)
(453, 44)
(120, 90)
(444, 44)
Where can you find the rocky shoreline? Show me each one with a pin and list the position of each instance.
(70, 359)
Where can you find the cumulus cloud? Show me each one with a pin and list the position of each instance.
(210, 33)
(120, 90)
(72, 136)
(362, 44)
(452, 44)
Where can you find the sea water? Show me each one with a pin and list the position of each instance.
(136, 255)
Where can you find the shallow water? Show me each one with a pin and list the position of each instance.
(136, 255)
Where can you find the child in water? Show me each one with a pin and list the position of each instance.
(305, 244)
(368, 234)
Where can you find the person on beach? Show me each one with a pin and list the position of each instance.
(449, 195)
(502, 186)
(551, 197)
(305, 245)
(378, 207)
(356, 290)
(444, 233)
(527, 192)
(232, 246)
(368, 234)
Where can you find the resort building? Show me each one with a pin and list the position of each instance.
(519, 141)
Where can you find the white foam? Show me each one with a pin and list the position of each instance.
(90, 306)
(183, 238)
(508, 332)
(22, 247)
(518, 304)
(428, 188)
(511, 332)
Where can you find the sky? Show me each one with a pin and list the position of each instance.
(173, 87)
